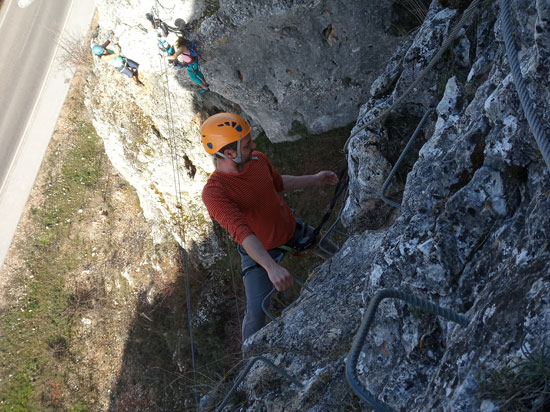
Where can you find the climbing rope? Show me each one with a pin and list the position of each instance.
(245, 371)
(359, 340)
(166, 9)
(127, 27)
(444, 46)
(538, 130)
(227, 244)
(177, 185)
(401, 157)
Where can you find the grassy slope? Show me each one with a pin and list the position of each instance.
(81, 255)
(36, 332)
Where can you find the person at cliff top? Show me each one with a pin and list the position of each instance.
(121, 63)
(186, 54)
(242, 196)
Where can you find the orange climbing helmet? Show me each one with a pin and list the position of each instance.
(222, 129)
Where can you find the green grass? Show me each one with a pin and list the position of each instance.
(36, 333)
(523, 385)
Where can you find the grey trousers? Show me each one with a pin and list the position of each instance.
(257, 284)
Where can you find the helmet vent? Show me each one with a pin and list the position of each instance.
(236, 126)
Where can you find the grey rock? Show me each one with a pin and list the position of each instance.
(474, 225)
(296, 64)
(24, 3)
(472, 235)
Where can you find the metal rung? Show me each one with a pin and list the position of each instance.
(245, 372)
(265, 307)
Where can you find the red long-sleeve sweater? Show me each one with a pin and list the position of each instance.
(247, 203)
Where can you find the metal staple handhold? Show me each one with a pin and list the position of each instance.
(401, 157)
(332, 228)
(245, 372)
(266, 299)
(358, 341)
(444, 46)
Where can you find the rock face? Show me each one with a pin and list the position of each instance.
(473, 228)
(288, 67)
(472, 235)
(24, 3)
(299, 64)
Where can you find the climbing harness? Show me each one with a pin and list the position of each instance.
(444, 46)
(309, 238)
(359, 340)
(538, 130)
(245, 371)
(124, 64)
(165, 47)
(401, 157)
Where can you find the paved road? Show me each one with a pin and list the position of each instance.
(32, 89)
(28, 38)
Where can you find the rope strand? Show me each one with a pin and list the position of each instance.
(181, 228)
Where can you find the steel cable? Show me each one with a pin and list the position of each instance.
(444, 46)
(541, 136)
(401, 157)
(368, 318)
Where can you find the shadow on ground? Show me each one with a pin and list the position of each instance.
(157, 370)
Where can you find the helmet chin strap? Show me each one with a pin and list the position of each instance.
(239, 158)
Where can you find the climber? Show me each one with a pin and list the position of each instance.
(123, 64)
(186, 53)
(166, 37)
(241, 195)
(158, 24)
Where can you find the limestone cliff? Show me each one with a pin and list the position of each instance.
(473, 228)
(289, 67)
